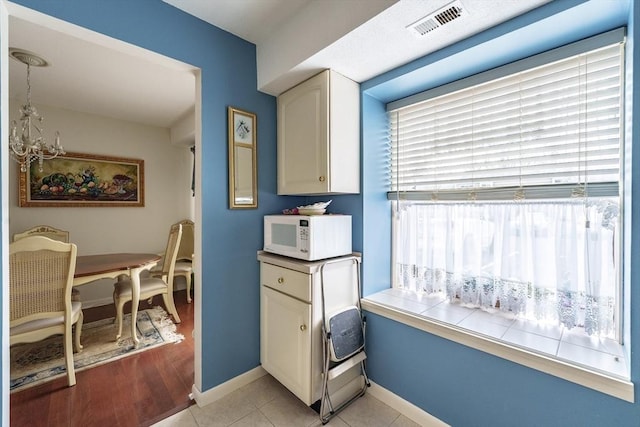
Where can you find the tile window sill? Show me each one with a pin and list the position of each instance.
(570, 355)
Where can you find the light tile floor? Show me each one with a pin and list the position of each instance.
(573, 345)
(265, 402)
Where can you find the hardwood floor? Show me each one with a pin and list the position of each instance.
(138, 390)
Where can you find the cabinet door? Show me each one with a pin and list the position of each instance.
(303, 111)
(285, 341)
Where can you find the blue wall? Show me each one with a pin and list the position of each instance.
(460, 385)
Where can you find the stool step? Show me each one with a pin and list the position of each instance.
(344, 366)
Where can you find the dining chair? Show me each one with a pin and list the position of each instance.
(184, 260)
(52, 233)
(41, 274)
(44, 230)
(152, 285)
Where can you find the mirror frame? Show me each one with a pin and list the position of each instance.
(242, 137)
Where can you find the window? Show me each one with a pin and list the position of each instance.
(506, 188)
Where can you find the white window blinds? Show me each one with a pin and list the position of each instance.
(541, 131)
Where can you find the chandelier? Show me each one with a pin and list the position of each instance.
(26, 140)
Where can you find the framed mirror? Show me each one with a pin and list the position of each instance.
(243, 178)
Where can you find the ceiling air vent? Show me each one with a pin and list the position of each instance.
(437, 19)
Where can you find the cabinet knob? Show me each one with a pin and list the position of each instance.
(303, 328)
(280, 280)
(321, 179)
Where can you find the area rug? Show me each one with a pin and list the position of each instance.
(36, 363)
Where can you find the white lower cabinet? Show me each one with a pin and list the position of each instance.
(291, 317)
(286, 341)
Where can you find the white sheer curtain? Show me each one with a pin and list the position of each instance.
(551, 261)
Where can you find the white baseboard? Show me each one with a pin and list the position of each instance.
(406, 408)
(218, 392)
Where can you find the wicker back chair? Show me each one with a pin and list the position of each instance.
(54, 234)
(41, 274)
(152, 285)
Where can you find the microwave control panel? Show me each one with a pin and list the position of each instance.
(304, 236)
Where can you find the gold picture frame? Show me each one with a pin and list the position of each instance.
(243, 174)
(83, 180)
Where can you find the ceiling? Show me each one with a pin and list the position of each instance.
(369, 48)
(118, 82)
(97, 76)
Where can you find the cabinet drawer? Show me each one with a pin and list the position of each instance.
(289, 282)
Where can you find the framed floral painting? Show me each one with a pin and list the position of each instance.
(76, 179)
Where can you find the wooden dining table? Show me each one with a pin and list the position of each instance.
(94, 267)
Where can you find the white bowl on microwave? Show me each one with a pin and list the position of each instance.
(315, 209)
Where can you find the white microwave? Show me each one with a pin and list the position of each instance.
(308, 237)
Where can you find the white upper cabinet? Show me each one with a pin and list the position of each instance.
(319, 136)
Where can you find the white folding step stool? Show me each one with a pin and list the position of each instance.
(343, 342)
